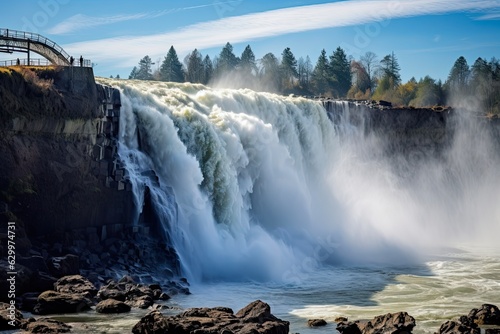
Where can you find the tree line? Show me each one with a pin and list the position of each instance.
(336, 75)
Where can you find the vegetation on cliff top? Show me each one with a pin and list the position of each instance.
(337, 75)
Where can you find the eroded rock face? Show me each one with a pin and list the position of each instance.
(254, 318)
(390, 323)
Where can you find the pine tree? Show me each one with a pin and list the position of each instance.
(144, 72)
(208, 70)
(340, 73)
(458, 78)
(288, 68)
(247, 63)
(270, 74)
(171, 67)
(390, 68)
(227, 60)
(133, 73)
(194, 64)
(320, 75)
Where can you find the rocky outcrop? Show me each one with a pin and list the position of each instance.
(462, 326)
(10, 317)
(254, 318)
(131, 293)
(51, 120)
(52, 302)
(76, 284)
(390, 323)
(488, 314)
(316, 322)
(45, 325)
(112, 306)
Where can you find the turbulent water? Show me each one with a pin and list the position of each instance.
(264, 193)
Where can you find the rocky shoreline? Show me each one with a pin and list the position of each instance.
(77, 295)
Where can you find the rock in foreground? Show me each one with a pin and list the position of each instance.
(390, 323)
(255, 318)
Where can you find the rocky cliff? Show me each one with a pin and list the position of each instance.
(51, 120)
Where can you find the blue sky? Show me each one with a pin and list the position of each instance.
(427, 36)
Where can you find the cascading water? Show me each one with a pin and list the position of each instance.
(255, 186)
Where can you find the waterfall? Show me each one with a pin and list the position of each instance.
(256, 186)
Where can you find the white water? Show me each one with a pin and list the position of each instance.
(254, 187)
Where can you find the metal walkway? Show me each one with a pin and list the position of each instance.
(21, 41)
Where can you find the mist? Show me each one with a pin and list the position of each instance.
(257, 186)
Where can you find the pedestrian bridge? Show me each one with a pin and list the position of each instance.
(22, 41)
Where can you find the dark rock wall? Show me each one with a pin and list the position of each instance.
(58, 168)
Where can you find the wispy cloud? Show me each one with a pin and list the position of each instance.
(491, 16)
(81, 22)
(127, 50)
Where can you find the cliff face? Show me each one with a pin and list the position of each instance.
(50, 180)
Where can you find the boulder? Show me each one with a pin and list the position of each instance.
(350, 327)
(152, 323)
(64, 265)
(111, 290)
(76, 284)
(52, 302)
(390, 323)
(46, 325)
(256, 318)
(112, 306)
(10, 317)
(316, 322)
(463, 326)
(488, 314)
(140, 302)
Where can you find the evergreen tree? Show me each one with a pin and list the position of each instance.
(195, 71)
(390, 68)
(320, 76)
(208, 70)
(288, 68)
(483, 84)
(458, 78)
(133, 74)
(247, 63)
(144, 72)
(227, 60)
(270, 73)
(340, 73)
(171, 67)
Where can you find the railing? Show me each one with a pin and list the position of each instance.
(37, 62)
(39, 39)
(24, 62)
(16, 34)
